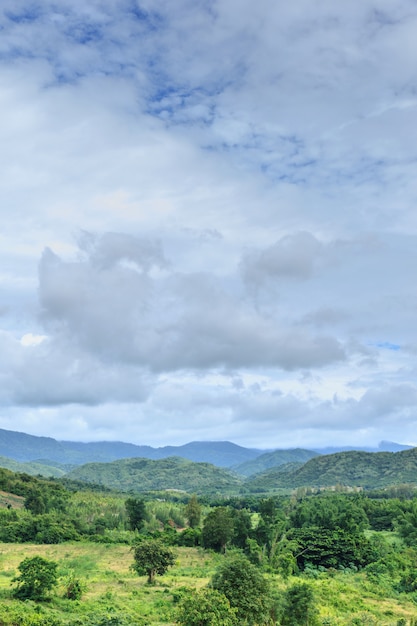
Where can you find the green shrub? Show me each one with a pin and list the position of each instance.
(206, 607)
(37, 577)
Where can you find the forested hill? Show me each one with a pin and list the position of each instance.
(33, 468)
(274, 459)
(356, 469)
(138, 475)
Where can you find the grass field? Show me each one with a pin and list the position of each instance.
(117, 595)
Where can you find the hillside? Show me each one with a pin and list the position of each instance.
(139, 475)
(273, 459)
(357, 469)
(33, 468)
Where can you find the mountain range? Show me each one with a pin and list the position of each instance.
(207, 467)
(345, 469)
(23, 447)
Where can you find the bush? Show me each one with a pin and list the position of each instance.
(74, 588)
(206, 607)
(299, 606)
(37, 577)
(245, 587)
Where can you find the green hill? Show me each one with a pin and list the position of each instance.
(139, 475)
(369, 470)
(33, 468)
(274, 459)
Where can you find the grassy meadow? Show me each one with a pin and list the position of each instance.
(115, 595)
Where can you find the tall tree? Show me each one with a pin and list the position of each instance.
(136, 512)
(193, 512)
(218, 529)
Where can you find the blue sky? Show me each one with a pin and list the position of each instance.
(208, 221)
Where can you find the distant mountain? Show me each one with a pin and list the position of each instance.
(383, 446)
(273, 459)
(390, 446)
(173, 473)
(61, 455)
(220, 453)
(23, 447)
(369, 470)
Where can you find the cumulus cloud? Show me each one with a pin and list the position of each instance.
(169, 322)
(216, 193)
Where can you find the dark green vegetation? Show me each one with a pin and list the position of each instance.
(350, 469)
(146, 475)
(277, 458)
(34, 468)
(310, 556)
(356, 469)
(152, 557)
(36, 579)
(246, 588)
(221, 468)
(206, 607)
(50, 457)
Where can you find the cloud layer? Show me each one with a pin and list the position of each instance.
(208, 221)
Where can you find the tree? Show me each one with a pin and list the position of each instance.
(218, 529)
(193, 512)
(35, 502)
(331, 548)
(245, 587)
(242, 527)
(37, 577)
(299, 606)
(206, 607)
(332, 512)
(136, 512)
(152, 557)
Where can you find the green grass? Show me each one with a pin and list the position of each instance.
(114, 590)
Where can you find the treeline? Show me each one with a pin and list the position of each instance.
(281, 533)
(296, 540)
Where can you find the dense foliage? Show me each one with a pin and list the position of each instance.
(37, 577)
(152, 557)
(139, 475)
(369, 470)
(246, 588)
(218, 529)
(206, 607)
(262, 555)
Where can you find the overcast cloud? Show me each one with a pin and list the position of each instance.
(209, 224)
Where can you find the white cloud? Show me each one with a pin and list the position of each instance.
(226, 192)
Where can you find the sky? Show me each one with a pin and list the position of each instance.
(208, 221)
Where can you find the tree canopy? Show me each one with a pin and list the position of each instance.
(218, 529)
(37, 577)
(136, 512)
(152, 557)
(245, 587)
(206, 607)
